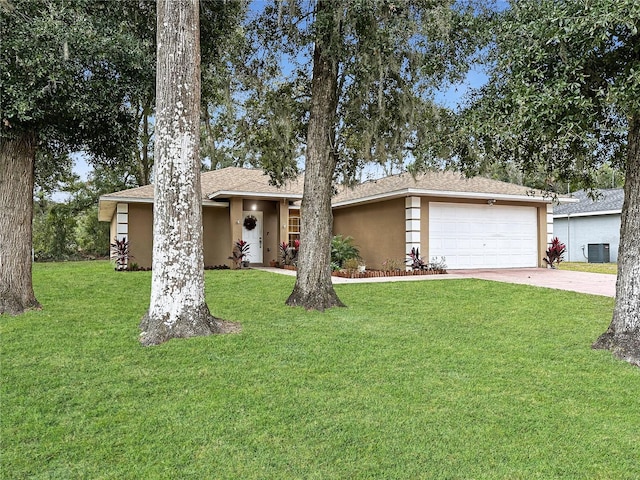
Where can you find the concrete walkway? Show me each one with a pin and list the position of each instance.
(582, 282)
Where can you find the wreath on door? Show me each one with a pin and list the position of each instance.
(250, 222)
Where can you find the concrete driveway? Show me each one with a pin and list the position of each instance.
(582, 282)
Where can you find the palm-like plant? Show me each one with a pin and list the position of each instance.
(239, 253)
(343, 249)
(555, 253)
(120, 253)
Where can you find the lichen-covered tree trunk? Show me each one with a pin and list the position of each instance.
(178, 307)
(17, 156)
(313, 289)
(623, 335)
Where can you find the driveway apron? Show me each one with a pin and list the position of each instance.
(582, 282)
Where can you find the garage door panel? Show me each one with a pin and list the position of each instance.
(483, 236)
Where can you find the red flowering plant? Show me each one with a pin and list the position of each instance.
(239, 253)
(415, 261)
(289, 253)
(120, 253)
(555, 253)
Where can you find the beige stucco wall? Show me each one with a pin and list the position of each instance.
(378, 230)
(215, 229)
(542, 234)
(221, 227)
(141, 233)
(424, 228)
(216, 236)
(113, 225)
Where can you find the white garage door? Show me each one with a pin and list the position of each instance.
(483, 236)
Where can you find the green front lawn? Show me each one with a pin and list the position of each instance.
(611, 268)
(432, 379)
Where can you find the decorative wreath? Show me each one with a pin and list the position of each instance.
(250, 222)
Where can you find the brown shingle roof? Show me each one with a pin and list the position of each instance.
(227, 181)
(235, 181)
(139, 192)
(434, 183)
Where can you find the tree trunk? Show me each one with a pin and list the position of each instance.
(17, 156)
(178, 307)
(313, 289)
(144, 162)
(623, 334)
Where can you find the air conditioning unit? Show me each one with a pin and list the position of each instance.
(598, 253)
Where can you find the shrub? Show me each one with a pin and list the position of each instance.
(438, 265)
(555, 253)
(239, 253)
(351, 265)
(289, 253)
(392, 265)
(120, 253)
(415, 261)
(342, 249)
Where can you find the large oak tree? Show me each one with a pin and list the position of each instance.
(178, 308)
(564, 95)
(372, 68)
(65, 71)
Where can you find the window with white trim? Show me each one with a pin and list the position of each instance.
(294, 227)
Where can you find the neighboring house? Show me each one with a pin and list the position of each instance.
(590, 225)
(473, 223)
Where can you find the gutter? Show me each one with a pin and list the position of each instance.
(408, 192)
(235, 193)
(588, 214)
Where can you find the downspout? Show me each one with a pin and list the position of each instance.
(568, 236)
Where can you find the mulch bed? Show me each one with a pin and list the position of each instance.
(385, 273)
(376, 273)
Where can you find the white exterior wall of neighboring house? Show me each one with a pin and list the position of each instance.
(576, 232)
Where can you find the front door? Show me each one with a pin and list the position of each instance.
(253, 236)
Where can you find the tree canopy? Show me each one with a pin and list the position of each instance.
(563, 84)
(363, 76)
(564, 97)
(66, 76)
(392, 57)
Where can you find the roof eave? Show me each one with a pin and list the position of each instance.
(560, 200)
(107, 205)
(407, 192)
(248, 194)
(588, 214)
